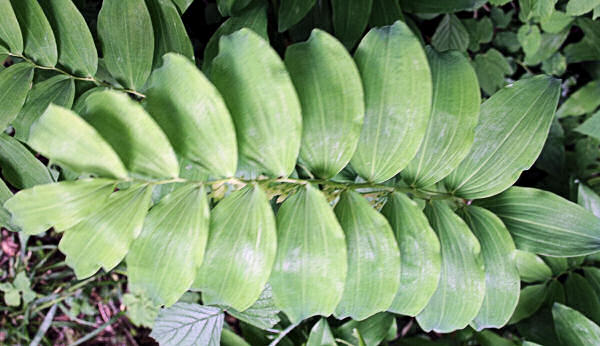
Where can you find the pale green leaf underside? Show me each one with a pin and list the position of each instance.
(188, 324)
(589, 199)
(262, 313)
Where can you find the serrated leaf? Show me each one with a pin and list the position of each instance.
(532, 268)
(462, 284)
(589, 199)
(391, 62)
(188, 324)
(311, 264)
(350, 20)
(169, 32)
(507, 145)
(545, 223)
(291, 12)
(60, 205)
(436, 6)
(15, 83)
(76, 48)
(385, 12)
(62, 136)
(40, 44)
(58, 90)
(262, 100)
(584, 100)
(580, 7)
(573, 328)
(163, 260)
(128, 48)
(321, 335)
(262, 314)
(582, 297)
(419, 251)
(331, 96)
(141, 145)
(369, 332)
(104, 238)
(373, 259)
(531, 299)
(502, 284)
(19, 167)
(454, 114)
(450, 34)
(10, 32)
(242, 226)
(253, 17)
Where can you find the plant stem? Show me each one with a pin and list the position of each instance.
(283, 333)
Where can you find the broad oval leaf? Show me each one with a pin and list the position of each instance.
(311, 263)
(506, 145)
(419, 251)
(532, 268)
(60, 205)
(104, 238)
(136, 138)
(15, 83)
(169, 32)
(461, 289)
(62, 136)
(38, 37)
(263, 103)
(59, 90)
(331, 96)
(163, 260)
(321, 335)
(373, 259)
(291, 12)
(127, 48)
(193, 115)
(350, 19)
(573, 328)
(545, 223)
(10, 32)
(19, 167)
(397, 87)
(76, 48)
(188, 324)
(454, 114)
(242, 226)
(437, 6)
(502, 283)
(531, 299)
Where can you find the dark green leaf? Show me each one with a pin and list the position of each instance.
(437, 6)
(350, 19)
(372, 330)
(530, 300)
(10, 32)
(19, 167)
(582, 297)
(321, 335)
(491, 68)
(292, 11)
(450, 34)
(188, 324)
(588, 49)
(231, 7)
(573, 328)
(532, 268)
(183, 5)
(15, 83)
(169, 31)
(40, 44)
(385, 12)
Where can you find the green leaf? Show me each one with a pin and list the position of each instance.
(262, 100)
(254, 17)
(557, 22)
(419, 251)
(12, 298)
(229, 338)
(331, 96)
(489, 338)
(373, 259)
(573, 328)
(350, 19)
(532, 268)
(491, 68)
(10, 32)
(372, 330)
(163, 260)
(231, 7)
(545, 223)
(589, 199)
(140, 310)
(62, 136)
(40, 44)
(500, 18)
(588, 48)
(591, 127)
(58, 90)
(188, 324)
(505, 146)
(502, 282)
(550, 44)
(461, 289)
(450, 34)
(580, 7)
(127, 48)
(592, 274)
(454, 114)
(183, 5)
(19, 167)
(242, 226)
(76, 48)
(558, 265)
(262, 314)
(176, 91)
(104, 238)
(530, 300)
(530, 38)
(436, 6)
(15, 83)
(59, 205)
(480, 31)
(311, 264)
(136, 138)
(169, 32)
(391, 62)
(321, 335)
(385, 12)
(555, 65)
(582, 297)
(584, 100)
(291, 12)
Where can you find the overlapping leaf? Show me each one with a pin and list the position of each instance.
(38, 37)
(169, 31)
(531, 267)
(321, 335)
(189, 324)
(573, 328)
(292, 11)
(15, 83)
(19, 167)
(10, 32)
(436, 6)
(350, 19)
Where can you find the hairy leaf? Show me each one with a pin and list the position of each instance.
(188, 324)
(19, 167)
(15, 83)
(40, 44)
(10, 32)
